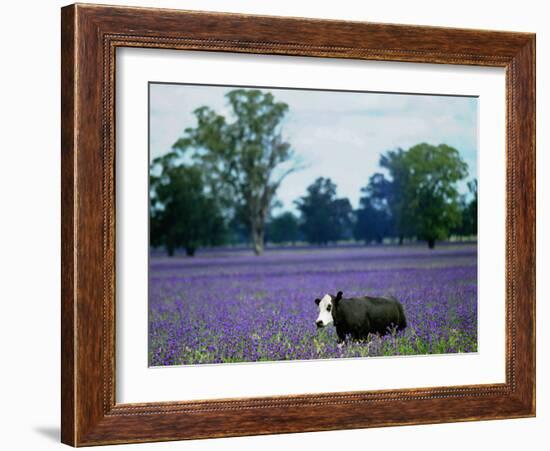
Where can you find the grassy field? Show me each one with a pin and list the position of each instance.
(235, 307)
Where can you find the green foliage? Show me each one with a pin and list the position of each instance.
(433, 172)
(325, 217)
(468, 224)
(244, 160)
(373, 217)
(469, 214)
(419, 199)
(397, 192)
(284, 228)
(181, 214)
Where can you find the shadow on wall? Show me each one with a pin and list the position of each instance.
(50, 432)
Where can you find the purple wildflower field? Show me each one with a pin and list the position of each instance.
(222, 307)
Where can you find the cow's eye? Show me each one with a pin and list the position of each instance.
(329, 307)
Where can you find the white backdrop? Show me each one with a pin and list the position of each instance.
(30, 227)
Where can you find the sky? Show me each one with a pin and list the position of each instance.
(336, 134)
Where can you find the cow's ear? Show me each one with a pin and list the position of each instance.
(338, 297)
(317, 301)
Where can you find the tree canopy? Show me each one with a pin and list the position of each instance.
(244, 159)
(181, 214)
(325, 217)
(468, 207)
(284, 228)
(422, 192)
(373, 219)
(433, 175)
(397, 192)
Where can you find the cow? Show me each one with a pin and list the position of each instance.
(360, 316)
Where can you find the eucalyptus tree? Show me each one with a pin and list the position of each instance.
(244, 156)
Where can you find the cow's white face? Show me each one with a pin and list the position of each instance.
(325, 311)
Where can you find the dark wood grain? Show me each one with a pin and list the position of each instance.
(90, 35)
(68, 312)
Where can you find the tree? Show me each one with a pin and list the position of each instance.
(470, 213)
(325, 217)
(182, 215)
(421, 193)
(238, 233)
(245, 160)
(468, 223)
(395, 192)
(431, 191)
(373, 218)
(284, 228)
(373, 222)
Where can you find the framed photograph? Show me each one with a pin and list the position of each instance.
(278, 225)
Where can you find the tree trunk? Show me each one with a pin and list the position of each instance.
(401, 237)
(170, 250)
(258, 242)
(431, 243)
(258, 239)
(190, 251)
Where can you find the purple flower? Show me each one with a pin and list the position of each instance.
(234, 307)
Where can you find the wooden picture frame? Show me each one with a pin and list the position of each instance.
(90, 35)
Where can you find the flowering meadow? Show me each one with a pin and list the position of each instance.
(231, 306)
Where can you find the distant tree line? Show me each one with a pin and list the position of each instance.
(218, 186)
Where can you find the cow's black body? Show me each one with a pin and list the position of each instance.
(357, 317)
